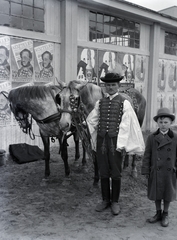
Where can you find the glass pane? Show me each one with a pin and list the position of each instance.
(39, 4)
(39, 14)
(38, 26)
(119, 22)
(99, 17)
(16, 22)
(113, 40)
(92, 36)
(131, 34)
(28, 2)
(113, 21)
(17, 1)
(92, 16)
(137, 27)
(28, 12)
(4, 20)
(4, 7)
(137, 44)
(119, 31)
(100, 27)
(113, 30)
(16, 9)
(106, 30)
(28, 24)
(93, 25)
(106, 19)
(132, 26)
(137, 35)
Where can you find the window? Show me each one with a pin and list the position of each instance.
(113, 30)
(22, 14)
(171, 43)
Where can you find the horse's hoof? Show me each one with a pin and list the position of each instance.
(66, 181)
(134, 174)
(44, 182)
(76, 164)
(85, 169)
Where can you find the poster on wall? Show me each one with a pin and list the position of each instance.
(5, 112)
(22, 60)
(166, 91)
(43, 59)
(4, 58)
(109, 61)
(106, 63)
(141, 73)
(128, 62)
(86, 67)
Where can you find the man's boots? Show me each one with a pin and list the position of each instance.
(116, 185)
(105, 190)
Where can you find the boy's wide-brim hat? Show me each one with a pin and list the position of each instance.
(112, 77)
(164, 112)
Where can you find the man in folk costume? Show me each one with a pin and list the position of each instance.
(114, 128)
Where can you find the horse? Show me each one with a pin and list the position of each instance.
(79, 90)
(39, 103)
(138, 103)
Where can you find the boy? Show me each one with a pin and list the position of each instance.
(159, 165)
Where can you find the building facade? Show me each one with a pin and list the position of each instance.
(41, 40)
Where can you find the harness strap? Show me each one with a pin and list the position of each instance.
(49, 119)
(83, 132)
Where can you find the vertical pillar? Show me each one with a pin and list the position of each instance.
(68, 56)
(153, 75)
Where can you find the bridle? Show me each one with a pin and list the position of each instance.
(25, 119)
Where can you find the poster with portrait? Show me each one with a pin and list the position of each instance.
(22, 60)
(5, 112)
(4, 58)
(44, 61)
(86, 67)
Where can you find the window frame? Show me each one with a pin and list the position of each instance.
(127, 32)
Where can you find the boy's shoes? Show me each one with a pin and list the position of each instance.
(102, 206)
(115, 208)
(165, 221)
(156, 218)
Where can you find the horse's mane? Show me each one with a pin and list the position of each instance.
(31, 92)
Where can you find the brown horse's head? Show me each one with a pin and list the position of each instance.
(72, 96)
(68, 100)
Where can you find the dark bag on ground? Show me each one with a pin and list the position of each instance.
(23, 153)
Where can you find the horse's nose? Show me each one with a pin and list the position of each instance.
(65, 127)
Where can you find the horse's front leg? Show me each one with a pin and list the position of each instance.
(84, 161)
(64, 155)
(46, 143)
(76, 141)
(134, 169)
(96, 171)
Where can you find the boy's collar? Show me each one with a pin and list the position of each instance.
(164, 133)
(170, 133)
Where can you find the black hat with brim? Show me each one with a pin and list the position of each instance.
(164, 112)
(112, 77)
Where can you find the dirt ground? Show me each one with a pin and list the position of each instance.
(32, 208)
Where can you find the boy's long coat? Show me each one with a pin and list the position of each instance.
(160, 163)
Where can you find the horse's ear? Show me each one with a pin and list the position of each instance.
(80, 84)
(60, 83)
